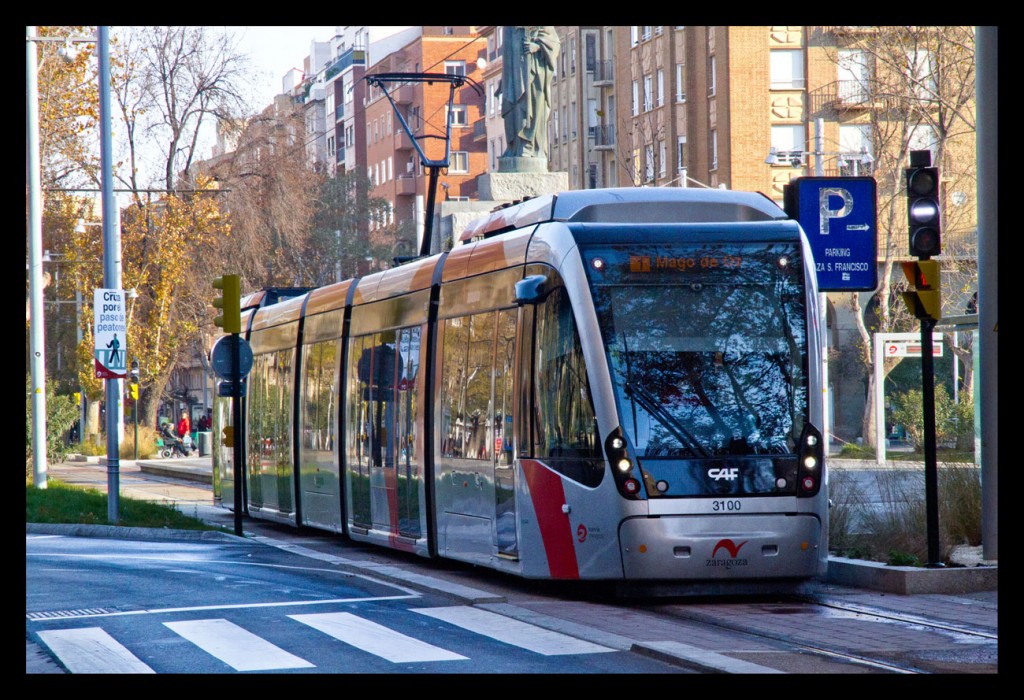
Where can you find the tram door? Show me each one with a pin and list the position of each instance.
(504, 472)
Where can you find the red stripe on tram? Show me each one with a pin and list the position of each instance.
(548, 497)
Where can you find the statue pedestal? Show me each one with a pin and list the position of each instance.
(501, 187)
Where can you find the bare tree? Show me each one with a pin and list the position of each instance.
(174, 81)
(918, 86)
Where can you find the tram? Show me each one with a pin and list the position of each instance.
(617, 384)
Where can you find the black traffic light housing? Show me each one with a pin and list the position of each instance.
(924, 215)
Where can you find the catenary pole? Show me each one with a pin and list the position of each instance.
(987, 72)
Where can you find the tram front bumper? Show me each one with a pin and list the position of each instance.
(701, 547)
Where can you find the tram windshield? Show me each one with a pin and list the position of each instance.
(707, 347)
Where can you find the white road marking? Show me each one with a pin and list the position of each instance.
(376, 639)
(91, 650)
(510, 631)
(235, 646)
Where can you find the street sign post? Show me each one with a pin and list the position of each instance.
(839, 216)
(231, 360)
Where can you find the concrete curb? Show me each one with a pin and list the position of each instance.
(910, 580)
(131, 533)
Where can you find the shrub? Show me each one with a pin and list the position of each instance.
(147, 442)
(953, 422)
(897, 533)
(61, 413)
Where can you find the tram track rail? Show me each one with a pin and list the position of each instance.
(750, 621)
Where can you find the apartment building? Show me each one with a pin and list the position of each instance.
(754, 107)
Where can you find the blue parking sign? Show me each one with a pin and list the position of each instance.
(839, 216)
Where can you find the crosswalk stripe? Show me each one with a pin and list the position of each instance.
(515, 632)
(376, 639)
(91, 650)
(236, 646)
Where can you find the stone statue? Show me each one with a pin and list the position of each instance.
(528, 65)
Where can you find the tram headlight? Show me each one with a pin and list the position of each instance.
(615, 449)
(811, 462)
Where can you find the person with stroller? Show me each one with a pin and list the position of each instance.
(185, 433)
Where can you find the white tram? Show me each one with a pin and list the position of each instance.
(614, 384)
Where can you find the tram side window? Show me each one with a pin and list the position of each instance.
(454, 362)
(565, 427)
(468, 376)
(376, 369)
(318, 409)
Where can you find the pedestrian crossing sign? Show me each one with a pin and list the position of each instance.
(110, 331)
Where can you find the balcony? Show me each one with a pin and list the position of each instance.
(480, 130)
(604, 136)
(402, 141)
(845, 96)
(403, 95)
(405, 185)
(604, 73)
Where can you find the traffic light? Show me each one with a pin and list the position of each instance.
(230, 303)
(925, 299)
(923, 212)
(229, 436)
(133, 391)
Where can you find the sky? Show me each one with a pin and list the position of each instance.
(275, 50)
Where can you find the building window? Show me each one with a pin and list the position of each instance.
(788, 140)
(680, 152)
(572, 55)
(648, 94)
(680, 86)
(649, 163)
(711, 76)
(786, 68)
(457, 117)
(455, 67)
(662, 159)
(921, 71)
(634, 36)
(853, 75)
(459, 162)
(714, 149)
(636, 98)
(661, 87)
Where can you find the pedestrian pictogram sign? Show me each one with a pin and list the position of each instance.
(110, 331)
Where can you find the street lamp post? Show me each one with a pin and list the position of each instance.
(37, 342)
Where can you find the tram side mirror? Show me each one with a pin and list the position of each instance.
(531, 289)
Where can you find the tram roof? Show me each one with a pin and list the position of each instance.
(643, 205)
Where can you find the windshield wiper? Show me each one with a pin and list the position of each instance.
(643, 397)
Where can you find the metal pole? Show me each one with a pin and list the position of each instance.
(819, 147)
(111, 272)
(35, 262)
(931, 480)
(236, 420)
(988, 282)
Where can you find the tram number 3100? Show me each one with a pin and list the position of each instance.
(718, 506)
